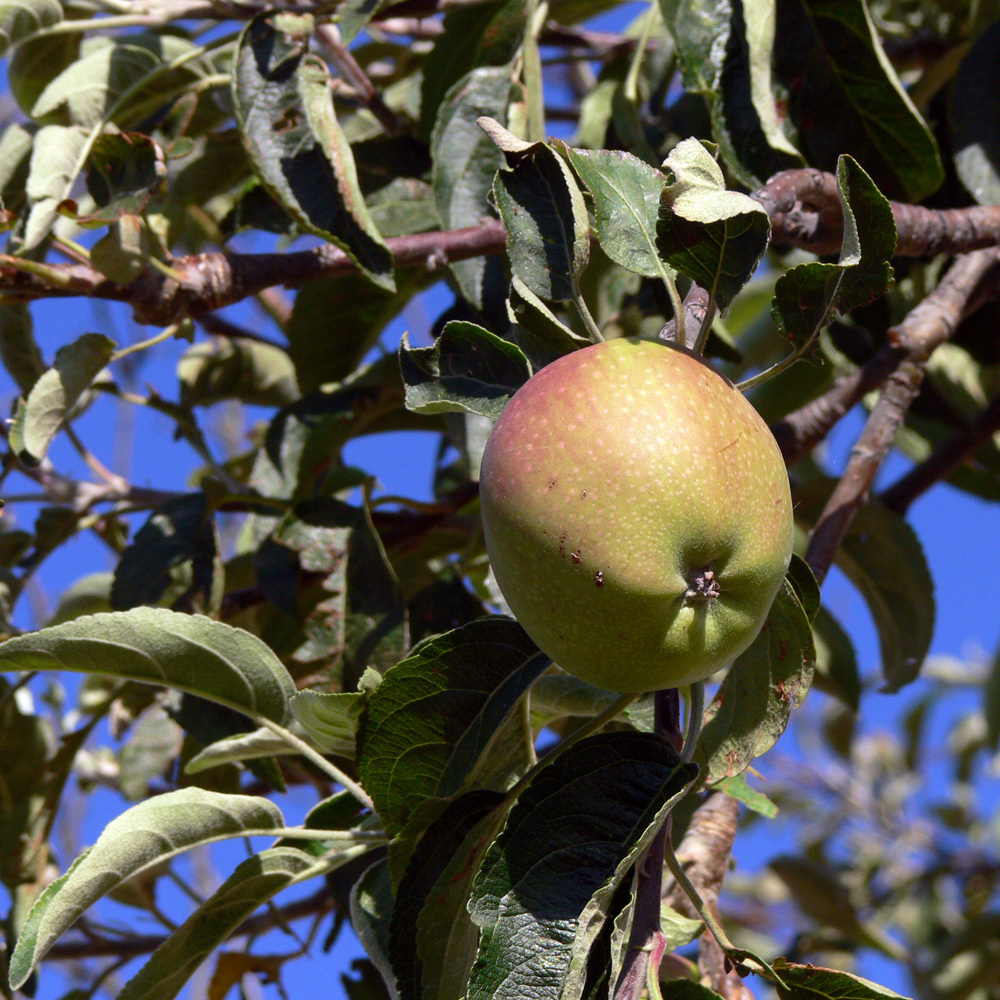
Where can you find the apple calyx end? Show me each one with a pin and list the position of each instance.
(702, 586)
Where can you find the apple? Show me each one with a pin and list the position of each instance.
(637, 515)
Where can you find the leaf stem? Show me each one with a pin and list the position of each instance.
(588, 320)
(141, 345)
(706, 326)
(680, 333)
(327, 767)
(631, 85)
(696, 712)
(371, 837)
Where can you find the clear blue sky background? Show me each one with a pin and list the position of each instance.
(955, 529)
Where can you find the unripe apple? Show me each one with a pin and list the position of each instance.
(637, 515)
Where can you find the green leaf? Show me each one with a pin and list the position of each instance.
(828, 54)
(237, 368)
(808, 296)
(355, 14)
(20, 19)
(991, 704)
(151, 832)
(15, 156)
(56, 159)
(810, 982)
(542, 895)
(752, 707)
(727, 62)
(155, 646)
(805, 585)
(539, 333)
(55, 393)
(254, 882)
(626, 193)
(285, 113)
(686, 989)
(975, 117)
(836, 664)
(19, 350)
(543, 212)
(739, 788)
(88, 595)
(435, 718)
(126, 168)
(466, 369)
(250, 746)
(715, 237)
(153, 743)
(818, 892)
(466, 161)
(176, 550)
(432, 940)
(371, 911)
(330, 719)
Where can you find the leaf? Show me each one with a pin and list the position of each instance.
(436, 713)
(285, 113)
(541, 897)
(153, 831)
(739, 788)
(432, 940)
(20, 19)
(15, 156)
(836, 664)
(715, 237)
(991, 704)
(153, 743)
(686, 989)
(818, 893)
(727, 62)
(540, 334)
(626, 195)
(155, 646)
(371, 911)
(808, 296)
(180, 534)
(330, 719)
(251, 746)
(975, 115)
(543, 212)
(752, 707)
(253, 882)
(55, 393)
(19, 350)
(237, 368)
(828, 54)
(88, 595)
(126, 168)
(466, 161)
(355, 14)
(55, 162)
(805, 585)
(810, 982)
(466, 369)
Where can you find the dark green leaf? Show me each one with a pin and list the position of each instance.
(19, 351)
(754, 703)
(177, 546)
(828, 54)
(543, 212)
(713, 236)
(285, 112)
(435, 718)
(542, 895)
(330, 718)
(153, 743)
(236, 368)
(154, 646)
(803, 581)
(975, 117)
(467, 369)
(432, 939)
(626, 195)
(836, 664)
(808, 296)
(253, 882)
(55, 393)
(686, 989)
(539, 332)
(15, 157)
(126, 168)
(371, 911)
(810, 982)
(20, 19)
(819, 893)
(991, 706)
(466, 161)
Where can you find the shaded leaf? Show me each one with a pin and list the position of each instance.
(19, 19)
(180, 533)
(330, 719)
(253, 882)
(438, 712)
(829, 55)
(239, 748)
(542, 895)
(975, 117)
(543, 212)
(236, 368)
(146, 834)
(371, 911)
(19, 350)
(805, 585)
(752, 707)
(466, 369)
(153, 743)
(991, 705)
(285, 113)
(818, 893)
(126, 168)
(155, 646)
(808, 296)
(540, 334)
(836, 664)
(686, 989)
(466, 161)
(713, 236)
(55, 393)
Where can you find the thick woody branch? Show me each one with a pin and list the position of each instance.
(704, 854)
(927, 326)
(805, 212)
(211, 281)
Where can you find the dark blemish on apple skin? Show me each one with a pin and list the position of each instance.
(562, 545)
(575, 556)
(599, 578)
(552, 483)
(583, 494)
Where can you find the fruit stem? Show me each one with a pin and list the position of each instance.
(680, 332)
(706, 326)
(695, 715)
